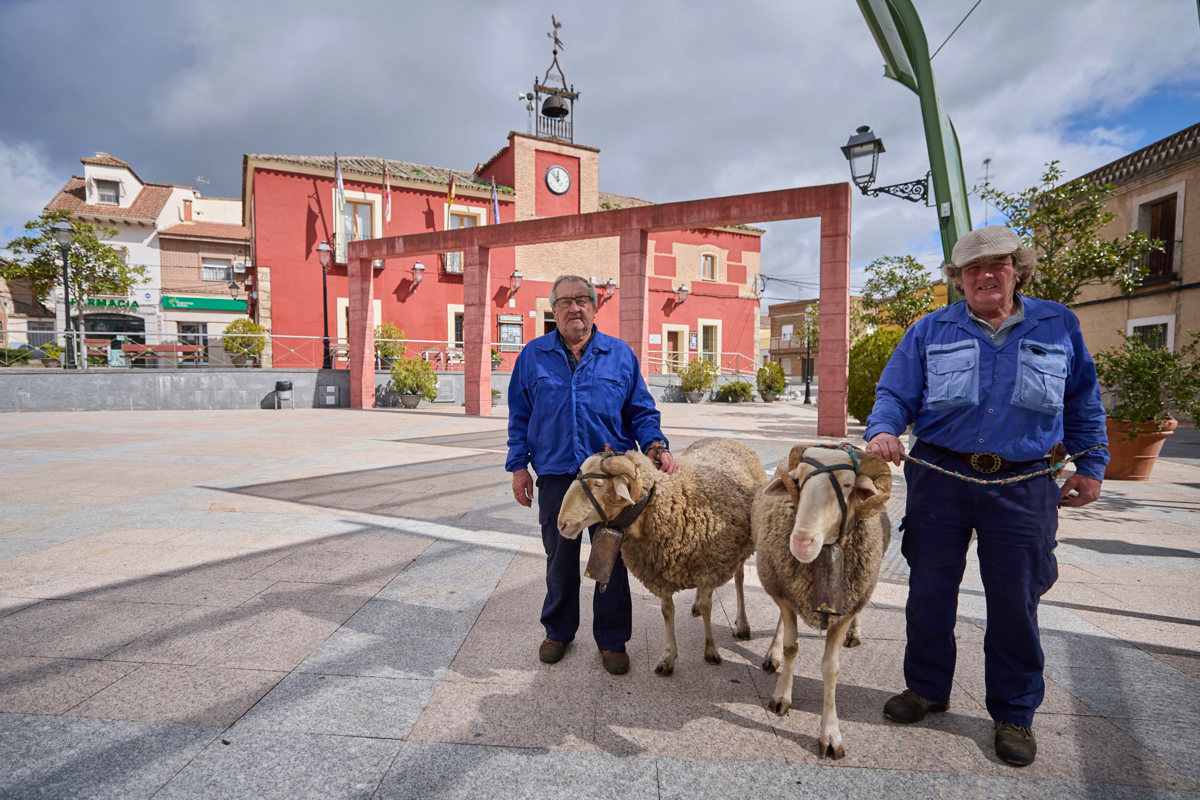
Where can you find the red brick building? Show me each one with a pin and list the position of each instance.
(288, 206)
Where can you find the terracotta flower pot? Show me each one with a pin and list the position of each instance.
(1132, 458)
(410, 400)
(694, 397)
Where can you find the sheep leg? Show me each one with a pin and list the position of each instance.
(852, 635)
(829, 744)
(667, 665)
(741, 625)
(775, 651)
(704, 603)
(781, 702)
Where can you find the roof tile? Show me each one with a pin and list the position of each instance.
(145, 207)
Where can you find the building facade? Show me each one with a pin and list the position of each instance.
(169, 231)
(702, 285)
(1158, 193)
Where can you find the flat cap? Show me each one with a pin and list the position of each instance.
(989, 242)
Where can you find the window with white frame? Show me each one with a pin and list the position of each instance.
(708, 267)
(359, 218)
(216, 269)
(456, 220)
(1158, 332)
(710, 342)
(511, 332)
(108, 192)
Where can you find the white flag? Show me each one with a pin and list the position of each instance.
(341, 230)
(387, 194)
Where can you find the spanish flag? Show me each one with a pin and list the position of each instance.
(450, 191)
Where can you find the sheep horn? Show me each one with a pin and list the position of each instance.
(784, 476)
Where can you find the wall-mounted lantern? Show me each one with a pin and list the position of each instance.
(418, 274)
(681, 294)
(517, 279)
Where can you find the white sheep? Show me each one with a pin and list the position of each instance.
(801, 530)
(693, 534)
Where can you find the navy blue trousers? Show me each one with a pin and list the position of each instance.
(612, 609)
(1016, 526)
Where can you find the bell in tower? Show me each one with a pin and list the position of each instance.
(554, 98)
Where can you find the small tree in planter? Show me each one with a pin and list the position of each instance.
(697, 378)
(389, 344)
(771, 381)
(496, 359)
(735, 392)
(412, 379)
(244, 340)
(868, 357)
(1147, 385)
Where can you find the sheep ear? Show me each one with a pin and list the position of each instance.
(868, 496)
(622, 490)
(775, 486)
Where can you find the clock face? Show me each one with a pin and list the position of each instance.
(558, 180)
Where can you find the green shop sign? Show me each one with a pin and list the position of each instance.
(111, 302)
(203, 303)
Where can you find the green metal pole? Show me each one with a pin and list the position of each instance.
(900, 36)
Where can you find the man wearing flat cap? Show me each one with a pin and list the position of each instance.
(991, 384)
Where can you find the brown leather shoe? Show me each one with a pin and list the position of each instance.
(909, 707)
(1015, 744)
(616, 663)
(551, 652)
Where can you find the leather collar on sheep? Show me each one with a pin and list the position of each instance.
(630, 514)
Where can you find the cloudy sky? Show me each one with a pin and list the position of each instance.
(685, 100)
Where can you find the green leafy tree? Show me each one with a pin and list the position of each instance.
(389, 342)
(771, 379)
(898, 290)
(1062, 222)
(414, 376)
(95, 268)
(868, 357)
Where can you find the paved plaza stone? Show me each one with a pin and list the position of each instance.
(321, 603)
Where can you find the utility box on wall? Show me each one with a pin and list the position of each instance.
(329, 397)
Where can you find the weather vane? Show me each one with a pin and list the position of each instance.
(553, 35)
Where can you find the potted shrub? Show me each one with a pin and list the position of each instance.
(412, 379)
(735, 392)
(771, 382)
(1146, 385)
(389, 344)
(244, 340)
(496, 357)
(697, 378)
(51, 354)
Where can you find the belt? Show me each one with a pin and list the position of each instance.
(984, 462)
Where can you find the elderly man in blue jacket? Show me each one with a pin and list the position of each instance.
(573, 392)
(990, 384)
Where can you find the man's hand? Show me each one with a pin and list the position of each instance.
(522, 486)
(667, 463)
(1087, 489)
(887, 447)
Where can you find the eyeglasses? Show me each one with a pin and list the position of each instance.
(564, 303)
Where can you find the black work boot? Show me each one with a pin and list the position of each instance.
(909, 707)
(616, 663)
(1015, 744)
(551, 652)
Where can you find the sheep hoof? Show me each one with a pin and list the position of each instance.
(852, 640)
(742, 631)
(664, 668)
(779, 707)
(769, 665)
(827, 749)
(712, 657)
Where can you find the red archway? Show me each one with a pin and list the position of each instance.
(830, 203)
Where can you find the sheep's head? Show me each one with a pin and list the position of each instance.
(619, 489)
(818, 518)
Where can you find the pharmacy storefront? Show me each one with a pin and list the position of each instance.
(134, 315)
(196, 319)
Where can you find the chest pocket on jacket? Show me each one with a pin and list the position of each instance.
(952, 375)
(1042, 370)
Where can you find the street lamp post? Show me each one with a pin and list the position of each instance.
(862, 150)
(807, 368)
(326, 254)
(62, 235)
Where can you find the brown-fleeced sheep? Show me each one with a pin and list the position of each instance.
(794, 517)
(693, 534)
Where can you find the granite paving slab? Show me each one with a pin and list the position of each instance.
(53, 685)
(198, 696)
(378, 708)
(80, 629)
(283, 766)
(467, 772)
(65, 757)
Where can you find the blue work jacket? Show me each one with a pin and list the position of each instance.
(557, 418)
(1017, 400)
